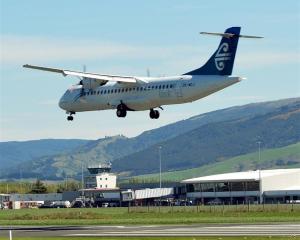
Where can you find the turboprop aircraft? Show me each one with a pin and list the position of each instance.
(130, 93)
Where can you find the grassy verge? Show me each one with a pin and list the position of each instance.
(152, 215)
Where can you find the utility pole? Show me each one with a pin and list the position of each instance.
(259, 142)
(82, 193)
(159, 150)
(259, 172)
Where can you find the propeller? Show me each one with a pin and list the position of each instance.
(81, 78)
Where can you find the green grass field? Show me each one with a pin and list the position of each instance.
(162, 238)
(247, 161)
(153, 215)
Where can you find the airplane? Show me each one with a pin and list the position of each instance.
(97, 92)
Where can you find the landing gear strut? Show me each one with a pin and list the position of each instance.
(154, 114)
(121, 110)
(70, 117)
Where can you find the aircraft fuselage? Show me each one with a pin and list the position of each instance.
(144, 96)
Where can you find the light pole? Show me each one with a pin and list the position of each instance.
(159, 150)
(259, 172)
(82, 181)
(259, 142)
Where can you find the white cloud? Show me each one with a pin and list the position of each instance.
(267, 58)
(20, 49)
(23, 49)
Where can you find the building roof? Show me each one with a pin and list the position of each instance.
(153, 193)
(240, 176)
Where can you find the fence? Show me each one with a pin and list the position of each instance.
(278, 207)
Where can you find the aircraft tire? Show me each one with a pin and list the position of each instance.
(156, 114)
(121, 112)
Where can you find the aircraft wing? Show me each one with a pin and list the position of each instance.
(101, 78)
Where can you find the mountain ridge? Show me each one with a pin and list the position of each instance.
(116, 148)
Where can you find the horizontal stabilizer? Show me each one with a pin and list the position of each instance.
(229, 35)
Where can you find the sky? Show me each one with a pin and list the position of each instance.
(127, 38)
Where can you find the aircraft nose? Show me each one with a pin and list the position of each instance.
(62, 104)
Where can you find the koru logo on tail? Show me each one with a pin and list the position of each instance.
(222, 55)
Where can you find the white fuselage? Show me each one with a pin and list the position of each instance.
(144, 96)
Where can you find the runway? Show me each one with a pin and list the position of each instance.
(155, 230)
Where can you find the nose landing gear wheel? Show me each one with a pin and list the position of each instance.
(70, 117)
(154, 114)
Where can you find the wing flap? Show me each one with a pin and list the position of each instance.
(100, 77)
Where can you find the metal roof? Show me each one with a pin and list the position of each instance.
(240, 176)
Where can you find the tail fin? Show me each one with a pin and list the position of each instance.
(221, 62)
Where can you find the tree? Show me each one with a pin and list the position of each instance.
(38, 187)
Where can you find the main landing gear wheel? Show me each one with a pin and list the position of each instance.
(154, 114)
(121, 111)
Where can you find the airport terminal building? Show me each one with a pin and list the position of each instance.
(260, 186)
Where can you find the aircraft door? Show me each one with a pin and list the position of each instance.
(177, 89)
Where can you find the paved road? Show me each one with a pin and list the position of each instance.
(157, 230)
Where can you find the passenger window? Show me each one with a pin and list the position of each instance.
(122, 89)
(126, 90)
(156, 87)
(104, 91)
(101, 92)
(163, 86)
(116, 90)
(159, 87)
(167, 86)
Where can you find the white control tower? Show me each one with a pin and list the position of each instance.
(100, 177)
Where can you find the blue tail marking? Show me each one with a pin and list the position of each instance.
(221, 62)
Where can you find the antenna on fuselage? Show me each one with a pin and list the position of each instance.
(148, 72)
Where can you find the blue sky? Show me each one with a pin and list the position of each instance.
(127, 37)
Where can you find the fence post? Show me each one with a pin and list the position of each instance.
(10, 235)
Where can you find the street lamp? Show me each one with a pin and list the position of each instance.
(259, 142)
(259, 172)
(159, 150)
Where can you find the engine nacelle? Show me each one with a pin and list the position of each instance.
(90, 83)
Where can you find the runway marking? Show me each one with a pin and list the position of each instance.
(288, 230)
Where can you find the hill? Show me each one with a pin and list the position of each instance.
(216, 142)
(14, 152)
(287, 157)
(209, 137)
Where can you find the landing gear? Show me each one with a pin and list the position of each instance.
(70, 117)
(121, 110)
(154, 114)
